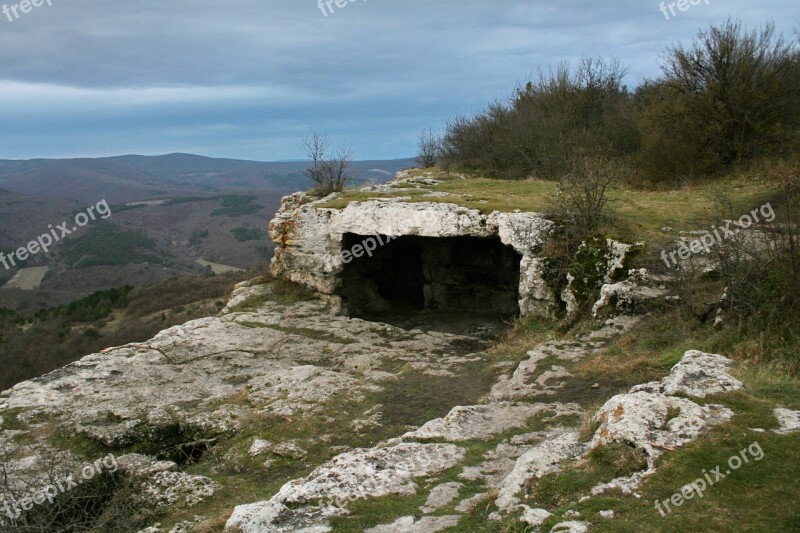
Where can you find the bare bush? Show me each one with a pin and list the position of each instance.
(329, 173)
(430, 148)
(581, 199)
(83, 507)
(750, 286)
(582, 208)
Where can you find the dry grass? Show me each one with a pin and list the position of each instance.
(641, 213)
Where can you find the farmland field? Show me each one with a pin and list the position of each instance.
(27, 279)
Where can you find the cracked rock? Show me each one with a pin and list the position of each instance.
(426, 524)
(654, 422)
(360, 474)
(440, 496)
(789, 420)
(480, 422)
(697, 374)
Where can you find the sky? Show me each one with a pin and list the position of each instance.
(247, 79)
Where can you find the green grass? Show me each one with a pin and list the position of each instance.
(283, 292)
(761, 496)
(642, 213)
(563, 489)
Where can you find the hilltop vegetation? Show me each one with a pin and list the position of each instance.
(730, 96)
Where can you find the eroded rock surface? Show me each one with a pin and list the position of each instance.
(697, 374)
(545, 458)
(194, 385)
(789, 420)
(356, 475)
(654, 422)
(481, 422)
(426, 524)
(200, 382)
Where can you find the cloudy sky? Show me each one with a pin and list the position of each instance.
(248, 78)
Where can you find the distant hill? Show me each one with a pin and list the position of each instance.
(172, 215)
(130, 178)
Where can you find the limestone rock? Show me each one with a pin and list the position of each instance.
(468, 505)
(534, 517)
(788, 419)
(697, 374)
(426, 524)
(160, 485)
(631, 295)
(616, 256)
(372, 473)
(542, 459)
(258, 447)
(273, 517)
(360, 474)
(654, 422)
(481, 422)
(440, 496)
(309, 239)
(572, 526)
(169, 489)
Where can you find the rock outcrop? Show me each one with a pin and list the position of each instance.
(309, 239)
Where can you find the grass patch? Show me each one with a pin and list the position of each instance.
(416, 398)
(554, 491)
(760, 496)
(280, 291)
(641, 213)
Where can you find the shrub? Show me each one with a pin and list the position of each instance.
(581, 207)
(730, 96)
(760, 272)
(547, 123)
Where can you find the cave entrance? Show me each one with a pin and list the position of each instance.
(454, 276)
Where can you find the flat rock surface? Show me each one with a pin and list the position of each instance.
(788, 419)
(285, 363)
(481, 422)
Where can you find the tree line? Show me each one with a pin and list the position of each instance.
(731, 95)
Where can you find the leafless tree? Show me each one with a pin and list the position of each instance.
(330, 173)
(430, 148)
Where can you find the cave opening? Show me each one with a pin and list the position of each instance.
(452, 276)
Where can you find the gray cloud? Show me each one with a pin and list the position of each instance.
(247, 78)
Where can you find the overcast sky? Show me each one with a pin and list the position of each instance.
(248, 78)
